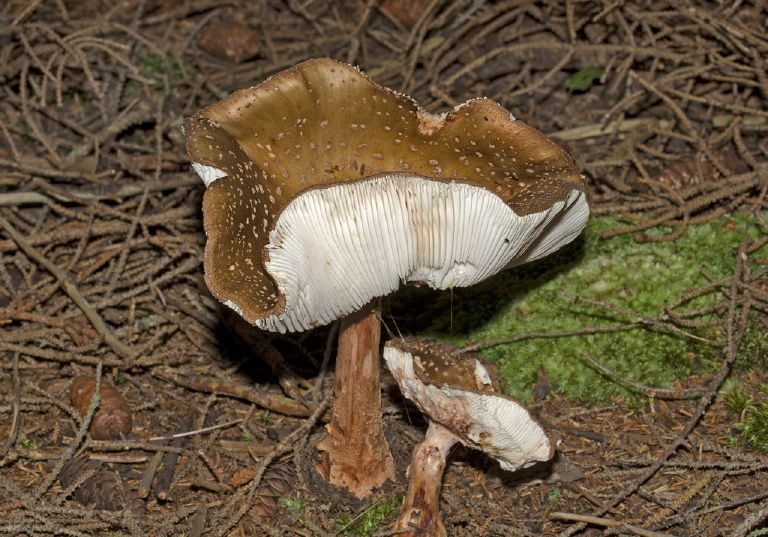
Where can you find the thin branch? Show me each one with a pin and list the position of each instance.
(647, 320)
(609, 524)
(71, 289)
(546, 335)
(659, 393)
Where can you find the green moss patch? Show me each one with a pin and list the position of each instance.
(639, 277)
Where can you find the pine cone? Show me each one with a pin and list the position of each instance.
(231, 41)
(277, 482)
(101, 488)
(112, 419)
(406, 11)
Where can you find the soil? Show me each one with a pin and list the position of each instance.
(663, 103)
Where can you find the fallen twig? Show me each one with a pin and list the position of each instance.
(70, 288)
(254, 394)
(533, 335)
(8, 444)
(658, 393)
(169, 459)
(608, 523)
(655, 321)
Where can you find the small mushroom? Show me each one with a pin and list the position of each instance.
(326, 191)
(484, 420)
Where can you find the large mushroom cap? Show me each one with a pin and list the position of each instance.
(491, 422)
(326, 190)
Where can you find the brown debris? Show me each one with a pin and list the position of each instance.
(696, 169)
(406, 11)
(112, 419)
(241, 477)
(232, 41)
(102, 488)
(543, 385)
(94, 176)
(165, 475)
(277, 482)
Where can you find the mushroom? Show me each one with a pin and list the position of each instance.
(478, 418)
(326, 191)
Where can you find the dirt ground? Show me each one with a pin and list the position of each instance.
(664, 104)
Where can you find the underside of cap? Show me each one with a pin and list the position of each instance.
(333, 249)
(493, 423)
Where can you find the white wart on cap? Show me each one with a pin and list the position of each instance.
(326, 190)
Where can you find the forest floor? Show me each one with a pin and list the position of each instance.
(663, 103)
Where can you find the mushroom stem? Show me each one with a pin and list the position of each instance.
(420, 510)
(355, 454)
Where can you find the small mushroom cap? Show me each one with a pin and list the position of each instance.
(434, 364)
(491, 422)
(325, 190)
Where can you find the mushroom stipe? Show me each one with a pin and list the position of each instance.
(469, 412)
(326, 191)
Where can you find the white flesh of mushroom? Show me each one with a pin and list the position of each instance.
(333, 249)
(207, 173)
(482, 376)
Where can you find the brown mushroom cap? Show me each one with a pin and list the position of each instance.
(434, 364)
(324, 139)
(491, 422)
